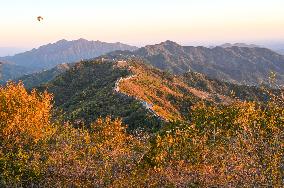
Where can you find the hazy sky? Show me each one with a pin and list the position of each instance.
(140, 22)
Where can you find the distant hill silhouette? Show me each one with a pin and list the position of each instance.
(63, 51)
(11, 71)
(43, 77)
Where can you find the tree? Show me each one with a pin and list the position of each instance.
(24, 126)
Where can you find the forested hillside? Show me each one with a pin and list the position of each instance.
(86, 92)
(138, 93)
(221, 145)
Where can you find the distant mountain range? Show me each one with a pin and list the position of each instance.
(8, 51)
(50, 55)
(239, 65)
(236, 63)
(280, 51)
(242, 45)
(277, 49)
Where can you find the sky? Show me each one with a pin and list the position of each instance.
(140, 22)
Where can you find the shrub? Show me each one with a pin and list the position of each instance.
(231, 146)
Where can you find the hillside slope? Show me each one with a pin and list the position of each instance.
(171, 96)
(86, 92)
(142, 95)
(36, 79)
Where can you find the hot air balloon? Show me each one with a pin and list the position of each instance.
(39, 18)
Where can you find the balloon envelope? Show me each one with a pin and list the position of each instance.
(39, 18)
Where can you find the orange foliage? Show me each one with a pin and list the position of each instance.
(146, 86)
(23, 114)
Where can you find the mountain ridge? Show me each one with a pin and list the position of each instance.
(239, 65)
